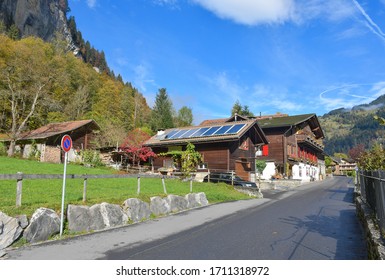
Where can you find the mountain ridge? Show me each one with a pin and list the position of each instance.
(346, 128)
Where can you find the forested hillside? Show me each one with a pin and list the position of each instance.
(345, 129)
(43, 82)
(50, 73)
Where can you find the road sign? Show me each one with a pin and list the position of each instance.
(66, 143)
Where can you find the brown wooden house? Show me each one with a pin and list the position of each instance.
(47, 139)
(295, 148)
(225, 145)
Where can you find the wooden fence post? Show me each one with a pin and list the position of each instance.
(85, 189)
(191, 183)
(19, 188)
(138, 192)
(164, 185)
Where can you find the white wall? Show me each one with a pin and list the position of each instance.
(305, 172)
(269, 171)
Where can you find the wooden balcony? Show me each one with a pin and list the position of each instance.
(309, 142)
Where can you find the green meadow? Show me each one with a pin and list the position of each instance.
(48, 192)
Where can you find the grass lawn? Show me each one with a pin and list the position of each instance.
(47, 193)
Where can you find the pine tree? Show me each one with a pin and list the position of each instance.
(162, 113)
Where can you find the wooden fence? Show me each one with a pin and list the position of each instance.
(19, 177)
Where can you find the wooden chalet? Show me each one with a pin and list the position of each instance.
(225, 145)
(295, 148)
(47, 139)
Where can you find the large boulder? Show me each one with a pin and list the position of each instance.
(22, 220)
(10, 230)
(192, 201)
(177, 203)
(202, 199)
(96, 218)
(159, 206)
(113, 215)
(136, 209)
(79, 218)
(44, 223)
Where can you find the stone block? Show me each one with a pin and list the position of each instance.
(79, 218)
(177, 203)
(96, 218)
(136, 209)
(159, 206)
(192, 201)
(202, 199)
(44, 223)
(10, 230)
(113, 215)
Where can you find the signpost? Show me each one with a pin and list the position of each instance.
(66, 145)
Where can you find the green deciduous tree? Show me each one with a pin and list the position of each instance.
(184, 117)
(27, 71)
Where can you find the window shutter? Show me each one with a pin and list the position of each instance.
(265, 150)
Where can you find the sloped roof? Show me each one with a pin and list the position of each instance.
(161, 140)
(284, 121)
(54, 129)
(287, 121)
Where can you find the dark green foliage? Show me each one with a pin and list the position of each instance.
(162, 113)
(13, 32)
(88, 53)
(241, 110)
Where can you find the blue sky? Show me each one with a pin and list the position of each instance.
(288, 56)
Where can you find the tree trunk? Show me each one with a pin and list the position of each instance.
(11, 150)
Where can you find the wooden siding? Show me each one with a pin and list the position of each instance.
(276, 151)
(215, 155)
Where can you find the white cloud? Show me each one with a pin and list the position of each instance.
(91, 3)
(274, 100)
(369, 23)
(255, 12)
(250, 12)
(350, 95)
(142, 77)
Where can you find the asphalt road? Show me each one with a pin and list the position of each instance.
(315, 221)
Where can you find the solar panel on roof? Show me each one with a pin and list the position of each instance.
(235, 129)
(222, 130)
(171, 133)
(200, 132)
(211, 130)
(188, 133)
(203, 131)
(179, 133)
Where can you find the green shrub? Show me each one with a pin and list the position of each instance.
(3, 149)
(91, 157)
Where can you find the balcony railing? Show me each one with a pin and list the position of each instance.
(309, 141)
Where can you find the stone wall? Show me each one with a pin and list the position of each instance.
(374, 241)
(272, 184)
(45, 223)
(50, 154)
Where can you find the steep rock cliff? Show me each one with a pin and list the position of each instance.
(41, 18)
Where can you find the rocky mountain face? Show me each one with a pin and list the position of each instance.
(40, 18)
